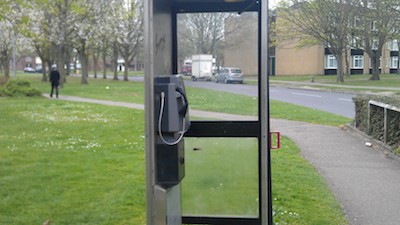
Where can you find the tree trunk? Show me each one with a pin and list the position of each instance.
(44, 74)
(6, 67)
(60, 64)
(104, 56)
(126, 69)
(346, 56)
(115, 60)
(340, 68)
(398, 60)
(5, 62)
(68, 60)
(375, 66)
(95, 61)
(49, 64)
(83, 57)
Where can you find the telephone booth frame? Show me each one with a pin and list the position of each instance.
(160, 19)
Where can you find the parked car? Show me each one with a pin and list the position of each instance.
(29, 70)
(186, 70)
(229, 75)
(38, 69)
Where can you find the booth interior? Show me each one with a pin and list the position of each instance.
(206, 168)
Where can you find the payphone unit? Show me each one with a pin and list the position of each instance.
(172, 122)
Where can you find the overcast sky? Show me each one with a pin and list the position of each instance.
(272, 3)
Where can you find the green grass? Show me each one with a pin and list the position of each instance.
(283, 110)
(200, 99)
(99, 88)
(77, 163)
(223, 171)
(70, 163)
(387, 80)
(291, 203)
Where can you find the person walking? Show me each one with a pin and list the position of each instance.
(55, 81)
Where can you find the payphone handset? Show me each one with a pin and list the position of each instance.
(173, 108)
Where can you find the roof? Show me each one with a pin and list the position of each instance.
(186, 6)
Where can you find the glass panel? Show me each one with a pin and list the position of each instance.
(208, 43)
(221, 177)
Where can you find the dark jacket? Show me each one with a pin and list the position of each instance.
(55, 78)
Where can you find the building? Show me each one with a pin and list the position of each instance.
(286, 58)
(242, 41)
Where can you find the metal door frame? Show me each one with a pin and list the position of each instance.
(259, 129)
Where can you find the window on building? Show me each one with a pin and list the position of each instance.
(356, 43)
(357, 62)
(373, 26)
(330, 62)
(393, 45)
(357, 22)
(394, 60)
(374, 44)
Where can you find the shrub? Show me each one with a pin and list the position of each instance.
(376, 118)
(3, 80)
(19, 88)
(2, 92)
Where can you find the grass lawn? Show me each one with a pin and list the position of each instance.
(76, 163)
(70, 163)
(387, 80)
(198, 98)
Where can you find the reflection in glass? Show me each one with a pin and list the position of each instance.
(231, 40)
(221, 177)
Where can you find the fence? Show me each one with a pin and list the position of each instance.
(386, 129)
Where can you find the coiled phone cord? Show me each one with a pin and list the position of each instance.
(182, 133)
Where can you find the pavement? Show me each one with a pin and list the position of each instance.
(365, 180)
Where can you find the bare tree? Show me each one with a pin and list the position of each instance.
(318, 22)
(377, 21)
(205, 33)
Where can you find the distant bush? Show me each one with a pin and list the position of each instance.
(3, 80)
(376, 118)
(15, 88)
(2, 92)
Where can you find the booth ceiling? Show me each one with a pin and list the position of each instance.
(188, 6)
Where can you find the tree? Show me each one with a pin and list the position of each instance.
(201, 33)
(11, 23)
(377, 21)
(40, 33)
(318, 22)
(6, 37)
(130, 31)
(61, 26)
(103, 27)
(83, 36)
(206, 33)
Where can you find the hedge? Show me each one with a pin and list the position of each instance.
(19, 87)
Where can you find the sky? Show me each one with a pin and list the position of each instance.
(273, 3)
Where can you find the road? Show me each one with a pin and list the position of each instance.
(333, 102)
(337, 103)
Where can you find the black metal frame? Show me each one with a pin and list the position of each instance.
(226, 128)
(220, 220)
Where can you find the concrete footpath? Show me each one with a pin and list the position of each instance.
(365, 180)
